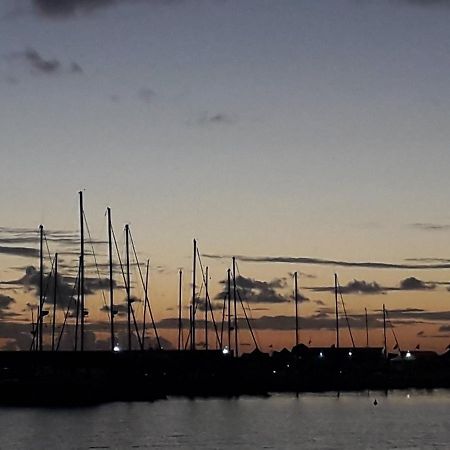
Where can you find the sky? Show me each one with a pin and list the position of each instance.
(296, 135)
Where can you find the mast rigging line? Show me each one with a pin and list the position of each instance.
(392, 329)
(68, 307)
(253, 332)
(208, 300)
(147, 301)
(345, 313)
(96, 264)
(40, 318)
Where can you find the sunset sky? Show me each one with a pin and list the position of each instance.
(297, 135)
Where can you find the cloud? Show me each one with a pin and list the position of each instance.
(354, 287)
(363, 287)
(414, 284)
(430, 226)
(26, 252)
(42, 65)
(68, 8)
(6, 301)
(146, 95)
(65, 286)
(207, 118)
(58, 8)
(330, 262)
(256, 291)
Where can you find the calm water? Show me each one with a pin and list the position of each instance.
(413, 419)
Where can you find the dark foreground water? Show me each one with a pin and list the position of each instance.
(402, 419)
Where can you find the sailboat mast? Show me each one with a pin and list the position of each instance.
(296, 308)
(384, 332)
(194, 264)
(146, 302)
(82, 272)
(206, 308)
(367, 328)
(111, 281)
(336, 309)
(180, 318)
(54, 302)
(229, 307)
(236, 344)
(41, 285)
(78, 305)
(127, 246)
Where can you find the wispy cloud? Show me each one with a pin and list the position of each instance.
(330, 262)
(68, 8)
(430, 226)
(207, 118)
(42, 65)
(364, 287)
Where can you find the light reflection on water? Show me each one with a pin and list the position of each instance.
(402, 419)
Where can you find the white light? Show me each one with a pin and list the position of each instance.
(350, 354)
(320, 355)
(117, 348)
(274, 371)
(408, 354)
(225, 351)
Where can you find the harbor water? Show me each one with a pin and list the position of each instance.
(378, 420)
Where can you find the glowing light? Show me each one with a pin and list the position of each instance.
(274, 371)
(117, 348)
(350, 354)
(225, 351)
(320, 355)
(408, 354)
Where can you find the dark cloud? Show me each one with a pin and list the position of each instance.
(354, 287)
(6, 301)
(414, 284)
(67, 8)
(329, 262)
(444, 329)
(41, 65)
(216, 119)
(431, 226)
(363, 287)
(26, 252)
(256, 291)
(66, 288)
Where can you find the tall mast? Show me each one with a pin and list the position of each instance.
(54, 302)
(194, 264)
(229, 307)
(336, 308)
(235, 309)
(82, 271)
(384, 332)
(127, 245)
(144, 323)
(367, 328)
(78, 305)
(296, 308)
(41, 285)
(180, 317)
(111, 281)
(206, 308)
